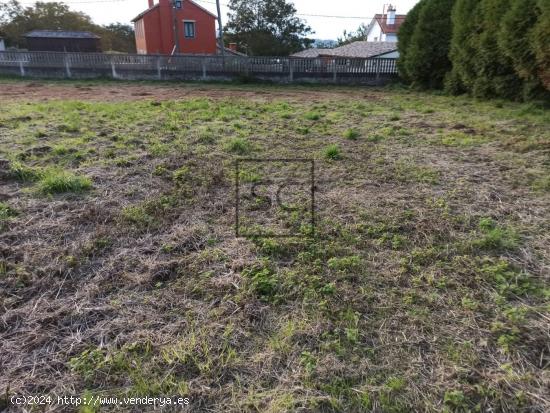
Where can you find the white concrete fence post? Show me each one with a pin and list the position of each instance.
(159, 69)
(203, 62)
(67, 66)
(113, 69)
(291, 68)
(334, 71)
(21, 68)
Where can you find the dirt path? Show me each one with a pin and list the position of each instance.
(120, 92)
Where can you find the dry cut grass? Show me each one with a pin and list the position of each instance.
(425, 287)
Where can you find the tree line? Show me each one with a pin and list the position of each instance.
(259, 27)
(266, 27)
(16, 20)
(486, 48)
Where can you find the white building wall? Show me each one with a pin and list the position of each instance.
(375, 33)
(391, 55)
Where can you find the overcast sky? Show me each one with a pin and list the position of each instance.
(109, 11)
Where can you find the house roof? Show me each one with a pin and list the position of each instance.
(229, 51)
(139, 16)
(364, 49)
(360, 49)
(312, 52)
(381, 19)
(62, 34)
(143, 13)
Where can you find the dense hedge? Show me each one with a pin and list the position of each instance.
(405, 33)
(541, 43)
(487, 48)
(426, 59)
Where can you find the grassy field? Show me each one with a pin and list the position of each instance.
(425, 288)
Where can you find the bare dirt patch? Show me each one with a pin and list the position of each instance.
(113, 92)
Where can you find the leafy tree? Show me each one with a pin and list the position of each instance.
(463, 51)
(266, 27)
(8, 11)
(426, 60)
(15, 21)
(358, 35)
(47, 16)
(405, 34)
(118, 37)
(495, 74)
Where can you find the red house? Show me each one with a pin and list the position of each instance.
(195, 28)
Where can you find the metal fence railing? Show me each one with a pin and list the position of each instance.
(129, 66)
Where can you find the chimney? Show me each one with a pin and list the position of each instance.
(390, 19)
(151, 3)
(233, 46)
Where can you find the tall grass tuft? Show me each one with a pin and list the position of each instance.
(55, 181)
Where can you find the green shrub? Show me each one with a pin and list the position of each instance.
(456, 400)
(517, 39)
(137, 215)
(541, 37)
(239, 146)
(507, 281)
(313, 116)
(6, 213)
(60, 150)
(181, 175)
(332, 152)
(263, 282)
(488, 48)
(406, 32)
(495, 75)
(375, 138)
(351, 134)
(541, 184)
(494, 237)
(351, 263)
(463, 49)
(23, 172)
(149, 213)
(54, 181)
(427, 61)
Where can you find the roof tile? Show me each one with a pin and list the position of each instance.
(359, 49)
(390, 28)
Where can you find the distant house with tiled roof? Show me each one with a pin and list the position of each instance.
(314, 52)
(384, 27)
(231, 50)
(359, 49)
(364, 49)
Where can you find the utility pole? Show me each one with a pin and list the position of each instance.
(175, 4)
(220, 28)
